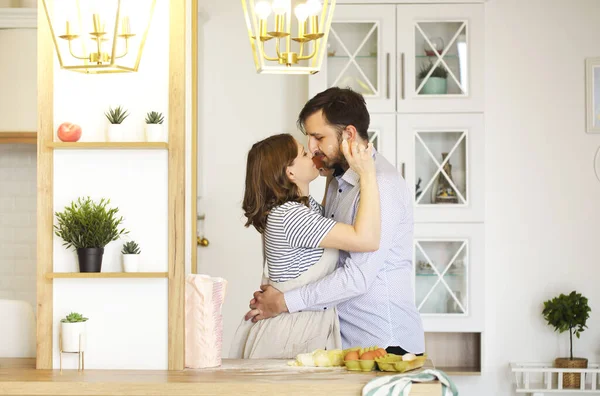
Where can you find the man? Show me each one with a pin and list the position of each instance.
(372, 291)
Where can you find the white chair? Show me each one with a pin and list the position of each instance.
(17, 329)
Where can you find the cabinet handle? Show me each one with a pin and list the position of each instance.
(403, 168)
(387, 75)
(402, 74)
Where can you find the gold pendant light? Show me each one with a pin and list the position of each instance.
(283, 43)
(99, 36)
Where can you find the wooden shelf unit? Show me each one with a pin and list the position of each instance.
(110, 145)
(97, 275)
(457, 354)
(18, 137)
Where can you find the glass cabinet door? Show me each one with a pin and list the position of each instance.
(449, 276)
(440, 52)
(443, 158)
(360, 55)
(382, 133)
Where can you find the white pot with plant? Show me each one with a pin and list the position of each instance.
(72, 333)
(131, 257)
(117, 132)
(155, 131)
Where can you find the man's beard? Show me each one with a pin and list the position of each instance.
(338, 164)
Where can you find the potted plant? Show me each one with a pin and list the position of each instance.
(88, 227)
(116, 129)
(72, 333)
(154, 127)
(131, 256)
(568, 313)
(437, 83)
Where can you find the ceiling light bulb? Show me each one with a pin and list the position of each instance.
(314, 7)
(280, 6)
(301, 12)
(262, 9)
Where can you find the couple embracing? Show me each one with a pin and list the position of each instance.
(337, 273)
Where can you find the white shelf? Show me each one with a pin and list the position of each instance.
(541, 378)
(18, 18)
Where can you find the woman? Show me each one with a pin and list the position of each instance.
(300, 245)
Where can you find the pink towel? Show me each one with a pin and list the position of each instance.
(203, 320)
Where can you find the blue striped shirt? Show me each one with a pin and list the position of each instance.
(292, 237)
(373, 291)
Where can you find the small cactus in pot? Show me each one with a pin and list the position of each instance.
(154, 127)
(131, 256)
(116, 129)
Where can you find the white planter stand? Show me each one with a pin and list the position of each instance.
(72, 340)
(131, 262)
(538, 379)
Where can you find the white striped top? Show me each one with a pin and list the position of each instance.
(292, 237)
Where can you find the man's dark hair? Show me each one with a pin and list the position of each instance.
(341, 107)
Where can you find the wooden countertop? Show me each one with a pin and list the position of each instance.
(248, 377)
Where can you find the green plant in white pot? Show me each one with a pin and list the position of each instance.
(437, 83)
(117, 132)
(155, 131)
(89, 226)
(131, 256)
(72, 333)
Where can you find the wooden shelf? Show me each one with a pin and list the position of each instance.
(461, 371)
(94, 275)
(18, 137)
(110, 145)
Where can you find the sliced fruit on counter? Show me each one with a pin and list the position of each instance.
(319, 358)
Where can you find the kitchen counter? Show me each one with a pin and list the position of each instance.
(248, 377)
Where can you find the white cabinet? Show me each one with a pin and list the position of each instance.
(441, 58)
(407, 58)
(443, 160)
(361, 54)
(382, 133)
(18, 80)
(449, 276)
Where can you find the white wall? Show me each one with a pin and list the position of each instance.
(238, 108)
(542, 196)
(18, 222)
(128, 317)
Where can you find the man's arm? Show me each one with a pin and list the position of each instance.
(359, 271)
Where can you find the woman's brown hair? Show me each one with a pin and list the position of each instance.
(267, 184)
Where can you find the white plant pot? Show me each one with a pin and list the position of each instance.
(118, 133)
(131, 262)
(72, 336)
(155, 133)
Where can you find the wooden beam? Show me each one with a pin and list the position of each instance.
(18, 137)
(100, 275)
(45, 191)
(194, 148)
(176, 184)
(110, 145)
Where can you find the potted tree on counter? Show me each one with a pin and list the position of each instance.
(568, 313)
(88, 226)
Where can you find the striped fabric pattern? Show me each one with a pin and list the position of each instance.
(373, 291)
(401, 384)
(292, 237)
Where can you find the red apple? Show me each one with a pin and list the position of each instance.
(69, 132)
